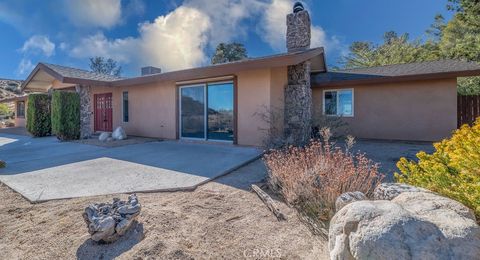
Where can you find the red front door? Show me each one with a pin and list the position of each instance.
(103, 112)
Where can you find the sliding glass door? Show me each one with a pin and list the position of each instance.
(192, 107)
(220, 111)
(206, 111)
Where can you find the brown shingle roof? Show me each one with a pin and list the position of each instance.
(398, 72)
(78, 76)
(68, 72)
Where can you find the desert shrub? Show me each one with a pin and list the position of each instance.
(38, 115)
(452, 170)
(274, 137)
(312, 177)
(66, 115)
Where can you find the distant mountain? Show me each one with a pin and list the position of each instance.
(10, 88)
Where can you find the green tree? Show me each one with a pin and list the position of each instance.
(228, 52)
(458, 39)
(105, 66)
(461, 39)
(4, 110)
(394, 49)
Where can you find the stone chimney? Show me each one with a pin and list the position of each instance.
(298, 29)
(298, 94)
(149, 70)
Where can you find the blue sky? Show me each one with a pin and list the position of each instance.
(180, 34)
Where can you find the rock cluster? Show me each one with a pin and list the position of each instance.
(117, 134)
(85, 93)
(403, 222)
(103, 136)
(106, 222)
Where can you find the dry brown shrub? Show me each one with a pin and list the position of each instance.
(312, 177)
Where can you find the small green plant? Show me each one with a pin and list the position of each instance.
(66, 115)
(3, 164)
(38, 115)
(4, 109)
(453, 170)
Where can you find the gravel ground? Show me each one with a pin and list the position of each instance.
(220, 219)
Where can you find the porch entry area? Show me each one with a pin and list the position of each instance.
(207, 111)
(103, 112)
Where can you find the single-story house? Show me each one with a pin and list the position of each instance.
(224, 102)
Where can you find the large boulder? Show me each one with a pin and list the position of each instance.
(347, 198)
(456, 222)
(119, 134)
(388, 191)
(414, 225)
(103, 136)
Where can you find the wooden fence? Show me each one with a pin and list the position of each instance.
(468, 109)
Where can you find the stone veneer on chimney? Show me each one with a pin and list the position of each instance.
(298, 94)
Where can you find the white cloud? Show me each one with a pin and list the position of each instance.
(226, 17)
(174, 41)
(39, 44)
(121, 50)
(181, 38)
(273, 26)
(24, 67)
(94, 13)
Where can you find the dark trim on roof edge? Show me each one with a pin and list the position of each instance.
(225, 69)
(190, 74)
(393, 79)
(36, 69)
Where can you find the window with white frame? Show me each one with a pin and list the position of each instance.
(338, 102)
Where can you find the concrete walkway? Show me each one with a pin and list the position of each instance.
(43, 169)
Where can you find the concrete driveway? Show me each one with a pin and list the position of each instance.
(44, 169)
(388, 153)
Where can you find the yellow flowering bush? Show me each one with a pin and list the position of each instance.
(453, 170)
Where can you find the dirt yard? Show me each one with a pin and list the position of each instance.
(221, 220)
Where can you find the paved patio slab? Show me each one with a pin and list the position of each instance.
(43, 169)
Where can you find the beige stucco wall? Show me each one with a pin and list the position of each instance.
(153, 107)
(414, 110)
(259, 92)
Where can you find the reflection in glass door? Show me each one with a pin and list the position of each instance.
(192, 109)
(206, 111)
(220, 111)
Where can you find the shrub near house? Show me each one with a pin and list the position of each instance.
(38, 115)
(453, 170)
(312, 177)
(66, 115)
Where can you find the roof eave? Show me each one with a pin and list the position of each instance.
(391, 79)
(12, 99)
(222, 69)
(36, 69)
(81, 81)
